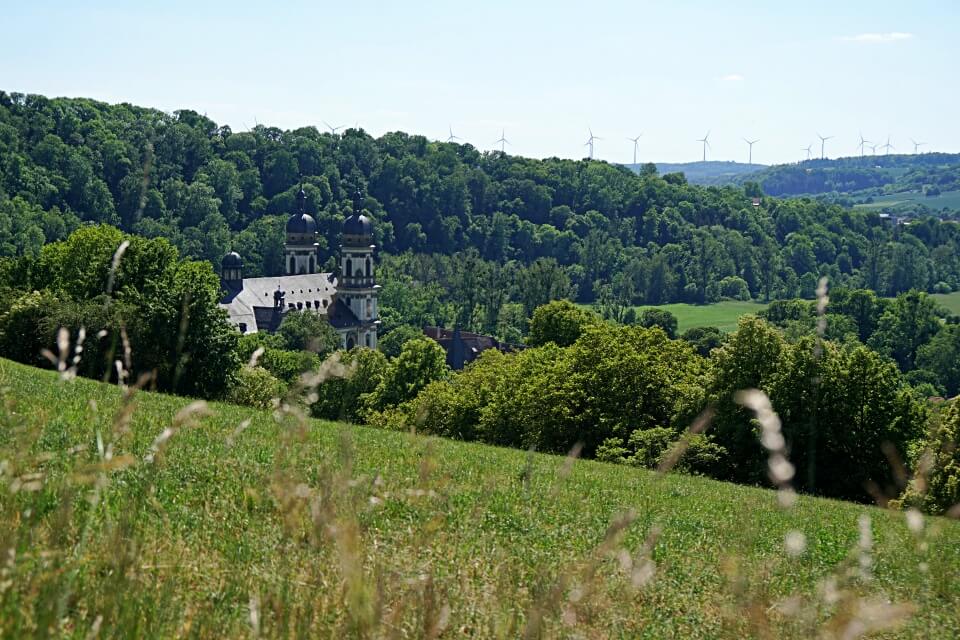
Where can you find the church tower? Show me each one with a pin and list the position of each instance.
(300, 252)
(358, 287)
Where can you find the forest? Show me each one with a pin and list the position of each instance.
(600, 230)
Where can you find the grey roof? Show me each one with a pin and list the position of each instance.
(253, 304)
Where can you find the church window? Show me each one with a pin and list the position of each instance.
(369, 268)
(311, 264)
(292, 268)
(367, 339)
(348, 272)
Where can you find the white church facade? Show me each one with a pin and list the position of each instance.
(349, 302)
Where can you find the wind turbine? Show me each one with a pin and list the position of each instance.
(887, 146)
(589, 142)
(750, 143)
(823, 143)
(636, 143)
(873, 149)
(452, 137)
(332, 128)
(916, 145)
(706, 144)
(502, 141)
(863, 143)
(807, 149)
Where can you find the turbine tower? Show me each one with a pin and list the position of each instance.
(706, 144)
(807, 149)
(636, 143)
(887, 146)
(916, 145)
(750, 143)
(452, 137)
(823, 143)
(590, 140)
(863, 144)
(333, 129)
(502, 141)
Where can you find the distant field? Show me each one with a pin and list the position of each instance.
(950, 301)
(247, 524)
(948, 199)
(723, 315)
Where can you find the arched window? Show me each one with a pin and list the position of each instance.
(311, 264)
(350, 343)
(348, 271)
(292, 269)
(369, 268)
(367, 339)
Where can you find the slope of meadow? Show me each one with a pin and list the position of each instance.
(146, 515)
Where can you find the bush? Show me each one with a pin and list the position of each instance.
(735, 288)
(942, 287)
(254, 387)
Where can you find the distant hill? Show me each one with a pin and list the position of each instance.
(712, 172)
(869, 175)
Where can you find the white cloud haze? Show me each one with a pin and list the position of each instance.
(878, 38)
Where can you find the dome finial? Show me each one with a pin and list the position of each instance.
(301, 199)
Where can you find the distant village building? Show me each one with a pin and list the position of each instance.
(463, 347)
(349, 303)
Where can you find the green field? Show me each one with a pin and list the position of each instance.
(949, 300)
(723, 315)
(947, 199)
(246, 523)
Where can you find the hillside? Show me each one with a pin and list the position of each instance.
(234, 524)
(711, 172)
(921, 178)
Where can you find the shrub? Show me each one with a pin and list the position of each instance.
(254, 387)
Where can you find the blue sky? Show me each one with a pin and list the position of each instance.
(542, 71)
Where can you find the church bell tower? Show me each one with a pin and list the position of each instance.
(358, 287)
(300, 252)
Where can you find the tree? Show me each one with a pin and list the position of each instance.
(309, 331)
(750, 359)
(909, 322)
(392, 343)
(560, 322)
(344, 398)
(653, 317)
(937, 490)
(941, 356)
(421, 361)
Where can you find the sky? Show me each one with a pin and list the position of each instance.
(544, 73)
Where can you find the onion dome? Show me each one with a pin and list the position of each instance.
(232, 261)
(357, 225)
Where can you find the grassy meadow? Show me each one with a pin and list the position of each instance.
(947, 199)
(949, 300)
(139, 514)
(723, 315)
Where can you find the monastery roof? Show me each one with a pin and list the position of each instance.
(253, 303)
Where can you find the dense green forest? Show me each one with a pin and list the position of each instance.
(595, 228)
